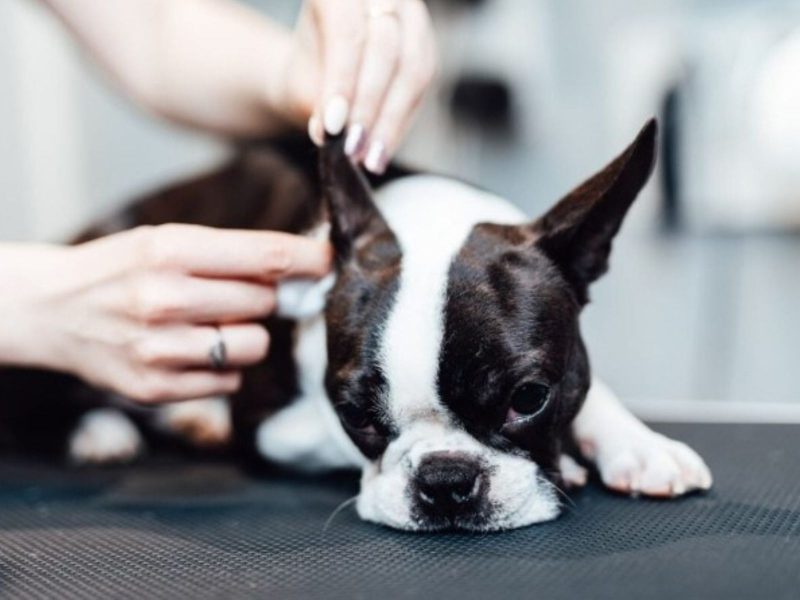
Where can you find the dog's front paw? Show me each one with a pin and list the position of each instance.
(572, 474)
(105, 436)
(650, 464)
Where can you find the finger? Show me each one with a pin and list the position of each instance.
(342, 26)
(185, 347)
(381, 55)
(175, 298)
(316, 131)
(170, 386)
(262, 255)
(414, 74)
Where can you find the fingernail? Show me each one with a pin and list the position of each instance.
(376, 159)
(315, 130)
(354, 142)
(335, 116)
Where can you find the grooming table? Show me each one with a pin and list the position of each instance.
(174, 528)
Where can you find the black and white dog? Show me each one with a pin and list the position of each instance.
(443, 357)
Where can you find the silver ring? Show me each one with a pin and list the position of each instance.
(218, 353)
(383, 8)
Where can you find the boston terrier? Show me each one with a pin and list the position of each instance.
(443, 357)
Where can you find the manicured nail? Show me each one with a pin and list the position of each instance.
(376, 159)
(354, 142)
(335, 115)
(315, 130)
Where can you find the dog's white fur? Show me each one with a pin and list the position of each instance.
(631, 457)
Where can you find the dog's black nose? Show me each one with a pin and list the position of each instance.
(448, 484)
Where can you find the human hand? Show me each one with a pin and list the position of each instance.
(363, 66)
(137, 312)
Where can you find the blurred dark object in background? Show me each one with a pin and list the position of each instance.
(482, 101)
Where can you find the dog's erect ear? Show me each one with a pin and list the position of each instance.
(577, 232)
(358, 231)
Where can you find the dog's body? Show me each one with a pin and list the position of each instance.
(443, 357)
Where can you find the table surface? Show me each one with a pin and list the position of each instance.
(175, 528)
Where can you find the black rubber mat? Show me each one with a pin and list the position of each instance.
(177, 529)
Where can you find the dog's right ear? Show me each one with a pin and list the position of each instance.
(577, 232)
(358, 231)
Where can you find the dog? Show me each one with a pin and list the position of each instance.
(443, 357)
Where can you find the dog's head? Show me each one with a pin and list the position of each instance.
(459, 386)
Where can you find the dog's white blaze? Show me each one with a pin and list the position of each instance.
(432, 217)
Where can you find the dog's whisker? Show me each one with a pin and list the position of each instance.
(337, 510)
(563, 494)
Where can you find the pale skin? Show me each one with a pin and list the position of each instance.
(136, 312)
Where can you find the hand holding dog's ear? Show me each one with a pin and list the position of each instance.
(361, 67)
(578, 231)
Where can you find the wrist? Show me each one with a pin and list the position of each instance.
(29, 274)
(278, 87)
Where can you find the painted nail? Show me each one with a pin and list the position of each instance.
(354, 142)
(376, 158)
(315, 130)
(335, 115)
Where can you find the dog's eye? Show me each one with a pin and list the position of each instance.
(528, 400)
(355, 417)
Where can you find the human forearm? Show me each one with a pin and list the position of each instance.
(211, 64)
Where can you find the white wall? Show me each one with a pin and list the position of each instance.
(70, 147)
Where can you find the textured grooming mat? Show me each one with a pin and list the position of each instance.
(170, 528)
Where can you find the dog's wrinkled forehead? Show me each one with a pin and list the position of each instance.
(416, 327)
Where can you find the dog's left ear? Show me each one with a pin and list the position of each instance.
(358, 230)
(577, 232)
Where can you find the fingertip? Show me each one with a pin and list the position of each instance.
(377, 158)
(315, 258)
(315, 130)
(327, 253)
(264, 343)
(355, 141)
(334, 117)
(232, 381)
(324, 261)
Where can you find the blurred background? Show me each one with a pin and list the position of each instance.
(701, 310)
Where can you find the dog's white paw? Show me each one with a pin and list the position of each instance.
(650, 464)
(204, 423)
(572, 473)
(105, 436)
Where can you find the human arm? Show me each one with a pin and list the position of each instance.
(221, 66)
(136, 312)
